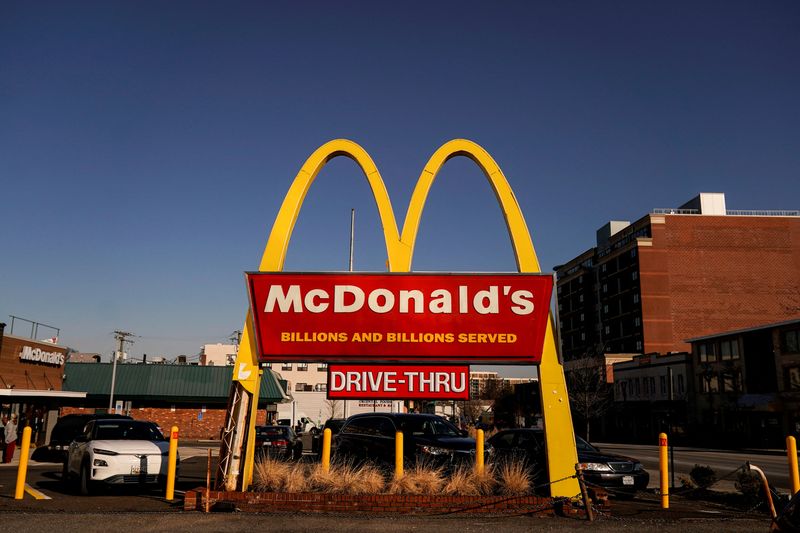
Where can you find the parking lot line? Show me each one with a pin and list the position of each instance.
(39, 495)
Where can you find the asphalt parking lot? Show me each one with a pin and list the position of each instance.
(149, 511)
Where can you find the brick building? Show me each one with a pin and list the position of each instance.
(676, 274)
(192, 397)
(748, 384)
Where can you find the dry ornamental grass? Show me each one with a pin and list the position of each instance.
(272, 475)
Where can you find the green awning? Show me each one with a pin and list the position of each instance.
(164, 383)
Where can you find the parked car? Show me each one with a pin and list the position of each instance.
(278, 442)
(620, 475)
(66, 429)
(116, 451)
(426, 437)
(335, 425)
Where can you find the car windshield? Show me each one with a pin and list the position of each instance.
(430, 426)
(583, 446)
(126, 430)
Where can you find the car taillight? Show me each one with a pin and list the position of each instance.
(280, 443)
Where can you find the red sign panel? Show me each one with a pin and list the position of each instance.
(398, 381)
(467, 318)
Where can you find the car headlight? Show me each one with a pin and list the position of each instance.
(435, 450)
(100, 462)
(637, 467)
(596, 467)
(100, 451)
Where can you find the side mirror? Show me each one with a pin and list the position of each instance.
(81, 438)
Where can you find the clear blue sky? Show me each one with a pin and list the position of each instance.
(145, 147)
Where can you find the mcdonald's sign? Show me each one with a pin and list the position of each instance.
(466, 318)
(559, 436)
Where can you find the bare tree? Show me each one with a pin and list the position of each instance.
(589, 394)
(333, 408)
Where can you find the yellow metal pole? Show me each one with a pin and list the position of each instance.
(398, 455)
(171, 463)
(326, 450)
(479, 451)
(22, 471)
(664, 468)
(791, 453)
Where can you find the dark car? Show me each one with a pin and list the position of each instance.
(335, 425)
(279, 442)
(618, 474)
(426, 437)
(64, 432)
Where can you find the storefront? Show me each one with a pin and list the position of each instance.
(30, 383)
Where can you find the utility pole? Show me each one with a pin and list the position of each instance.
(350, 269)
(122, 337)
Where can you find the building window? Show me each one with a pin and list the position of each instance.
(581, 317)
(706, 352)
(729, 350)
(636, 298)
(300, 387)
(732, 381)
(663, 382)
(633, 252)
(322, 367)
(793, 378)
(583, 336)
(302, 367)
(653, 386)
(709, 383)
(634, 275)
(790, 341)
(607, 330)
(605, 287)
(636, 387)
(286, 366)
(639, 345)
(580, 298)
(637, 321)
(605, 308)
(681, 386)
(321, 387)
(603, 267)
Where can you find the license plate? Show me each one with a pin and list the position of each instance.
(136, 470)
(627, 480)
(268, 443)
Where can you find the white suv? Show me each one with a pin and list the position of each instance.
(117, 451)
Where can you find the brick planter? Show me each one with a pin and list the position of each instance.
(367, 503)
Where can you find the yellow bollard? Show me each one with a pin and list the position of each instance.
(479, 451)
(326, 450)
(171, 464)
(398, 455)
(664, 468)
(22, 471)
(791, 454)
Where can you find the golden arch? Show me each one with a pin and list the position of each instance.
(560, 439)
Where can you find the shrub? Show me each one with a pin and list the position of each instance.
(419, 479)
(460, 483)
(485, 482)
(270, 475)
(346, 478)
(703, 476)
(514, 479)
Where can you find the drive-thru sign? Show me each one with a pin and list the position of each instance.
(419, 382)
(432, 318)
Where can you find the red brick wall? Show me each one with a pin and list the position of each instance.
(189, 427)
(709, 274)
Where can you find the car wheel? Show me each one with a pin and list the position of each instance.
(298, 453)
(84, 482)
